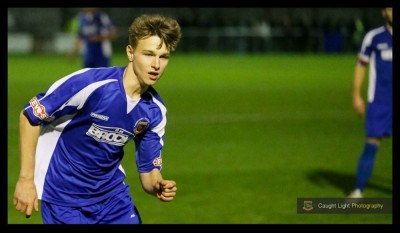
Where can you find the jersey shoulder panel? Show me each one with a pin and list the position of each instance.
(68, 93)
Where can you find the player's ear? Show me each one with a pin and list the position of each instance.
(129, 53)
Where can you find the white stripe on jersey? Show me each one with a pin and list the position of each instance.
(160, 128)
(80, 98)
(372, 80)
(62, 80)
(46, 144)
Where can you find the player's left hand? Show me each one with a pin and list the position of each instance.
(167, 190)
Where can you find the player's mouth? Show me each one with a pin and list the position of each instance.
(153, 75)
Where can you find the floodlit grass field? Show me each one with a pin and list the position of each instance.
(246, 136)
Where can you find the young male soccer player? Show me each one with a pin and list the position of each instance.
(72, 136)
(376, 50)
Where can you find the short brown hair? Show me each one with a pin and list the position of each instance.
(148, 25)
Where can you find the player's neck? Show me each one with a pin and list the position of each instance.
(390, 28)
(132, 86)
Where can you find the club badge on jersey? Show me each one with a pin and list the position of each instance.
(141, 125)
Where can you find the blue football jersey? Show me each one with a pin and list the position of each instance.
(96, 54)
(86, 119)
(377, 50)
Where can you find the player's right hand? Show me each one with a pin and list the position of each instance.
(359, 106)
(25, 197)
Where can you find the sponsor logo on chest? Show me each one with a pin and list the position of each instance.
(387, 55)
(110, 135)
(98, 116)
(385, 51)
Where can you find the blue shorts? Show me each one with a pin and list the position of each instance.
(118, 209)
(378, 122)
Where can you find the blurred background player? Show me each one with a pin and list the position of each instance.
(94, 36)
(376, 50)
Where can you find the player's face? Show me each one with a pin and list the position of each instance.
(387, 14)
(149, 60)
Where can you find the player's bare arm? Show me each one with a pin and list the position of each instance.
(25, 196)
(358, 102)
(153, 183)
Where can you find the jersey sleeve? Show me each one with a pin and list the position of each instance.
(366, 49)
(149, 146)
(63, 97)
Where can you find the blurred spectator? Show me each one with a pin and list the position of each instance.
(94, 36)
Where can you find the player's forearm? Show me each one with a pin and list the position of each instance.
(112, 35)
(28, 139)
(150, 181)
(108, 36)
(358, 79)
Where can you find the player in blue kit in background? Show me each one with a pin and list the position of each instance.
(72, 136)
(94, 37)
(376, 51)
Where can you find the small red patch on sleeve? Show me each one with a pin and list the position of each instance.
(362, 61)
(157, 161)
(38, 110)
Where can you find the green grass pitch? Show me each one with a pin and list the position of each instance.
(246, 136)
